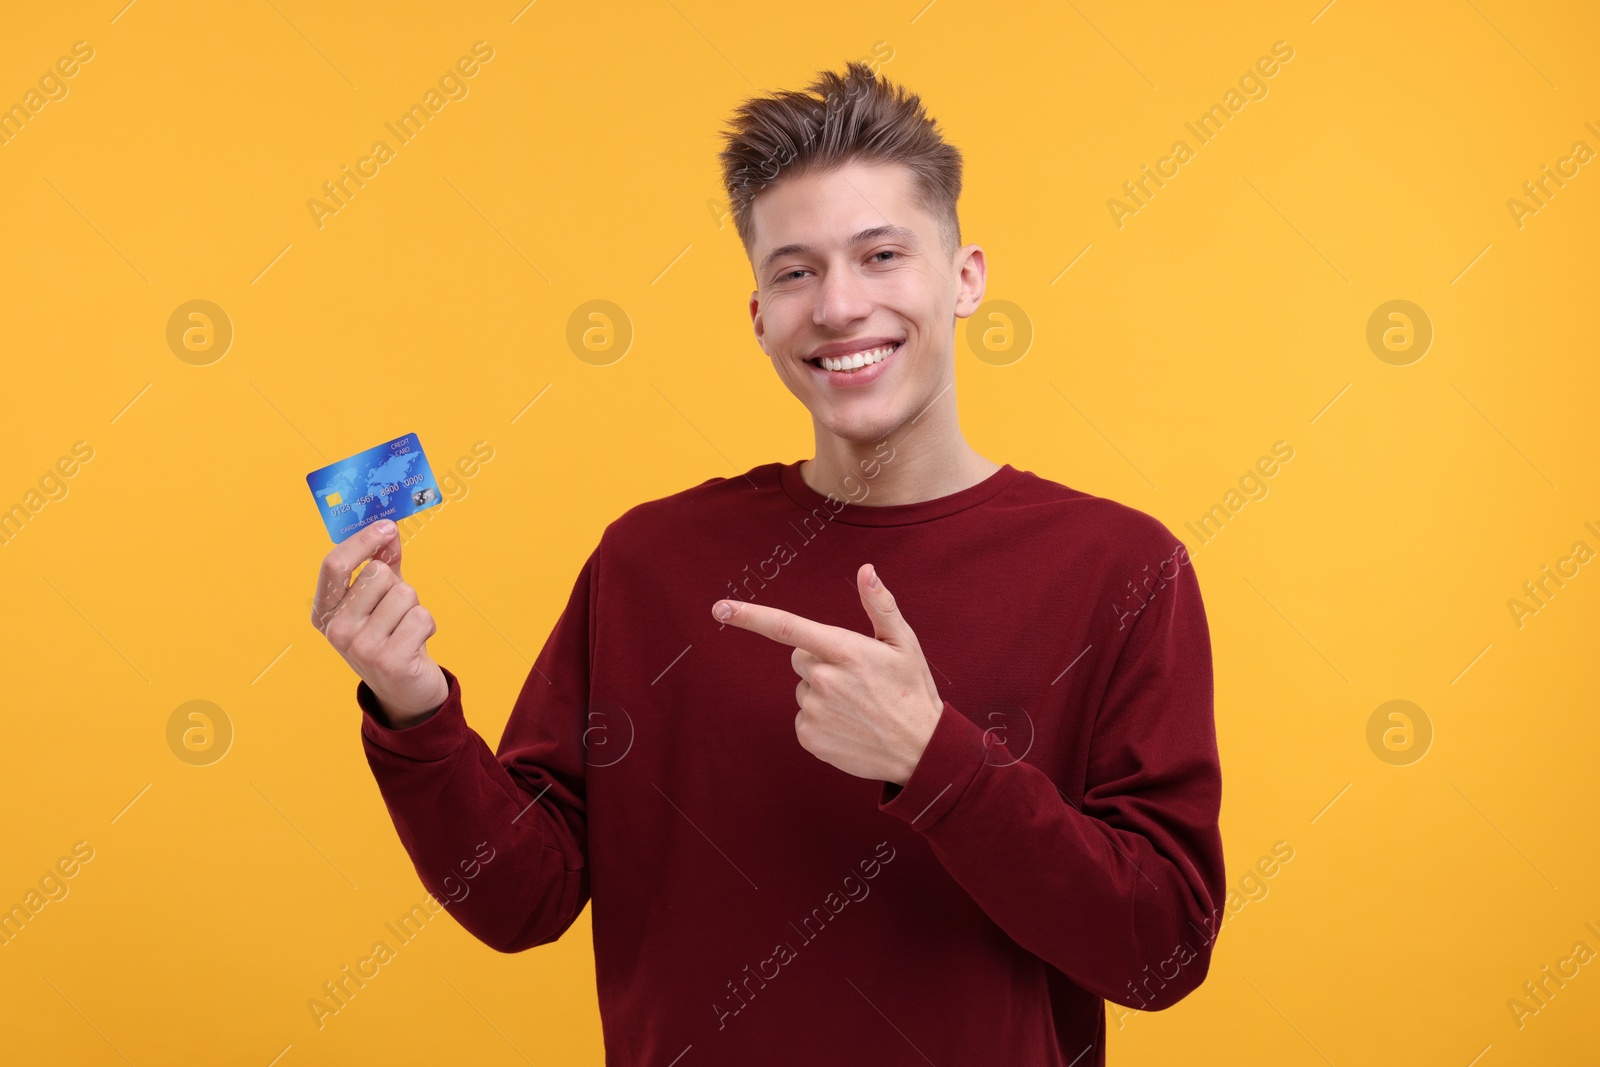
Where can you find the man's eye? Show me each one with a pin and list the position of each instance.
(885, 252)
(790, 275)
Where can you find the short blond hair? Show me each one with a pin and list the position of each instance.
(858, 116)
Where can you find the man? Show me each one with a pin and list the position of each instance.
(989, 804)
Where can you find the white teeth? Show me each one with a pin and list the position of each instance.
(857, 360)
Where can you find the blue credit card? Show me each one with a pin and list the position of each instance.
(390, 481)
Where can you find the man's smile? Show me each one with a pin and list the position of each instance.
(854, 362)
(855, 371)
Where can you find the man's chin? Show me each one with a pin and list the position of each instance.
(862, 430)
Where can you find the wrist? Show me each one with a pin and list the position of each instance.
(400, 715)
(920, 745)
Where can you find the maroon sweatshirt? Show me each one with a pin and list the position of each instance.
(1057, 845)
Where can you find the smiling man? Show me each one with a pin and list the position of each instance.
(893, 755)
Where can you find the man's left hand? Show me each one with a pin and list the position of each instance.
(868, 705)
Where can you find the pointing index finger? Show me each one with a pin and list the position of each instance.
(821, 640)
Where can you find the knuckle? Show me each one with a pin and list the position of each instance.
(322, 619)
(362, 648)
(339, 634)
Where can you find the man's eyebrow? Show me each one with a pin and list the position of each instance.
(874, 234)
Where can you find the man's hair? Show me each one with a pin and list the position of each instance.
(860, 117)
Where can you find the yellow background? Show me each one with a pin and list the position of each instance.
(1228, 314)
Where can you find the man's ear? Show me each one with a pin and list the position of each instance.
(755, 319)
(973, 276)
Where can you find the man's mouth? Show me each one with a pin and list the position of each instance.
(856, 361)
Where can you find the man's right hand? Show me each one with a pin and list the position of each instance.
(378, 625)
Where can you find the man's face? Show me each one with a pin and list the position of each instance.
(858, 268)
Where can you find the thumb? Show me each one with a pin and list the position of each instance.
(887, 622)
(384, 544)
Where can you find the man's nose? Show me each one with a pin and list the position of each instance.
(842, 298)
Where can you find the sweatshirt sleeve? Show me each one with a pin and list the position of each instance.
(1121, 893)
(498, 838)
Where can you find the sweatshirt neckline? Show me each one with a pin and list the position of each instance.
(916, 511)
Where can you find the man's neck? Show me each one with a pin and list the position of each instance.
(906, 467)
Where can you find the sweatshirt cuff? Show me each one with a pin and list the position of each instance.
(434, 738)
(954, 755)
